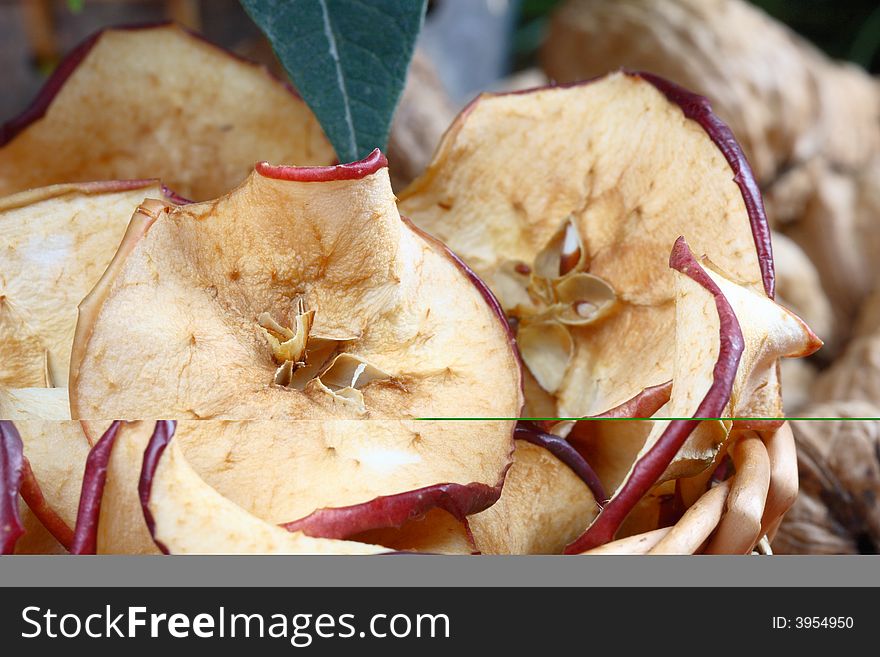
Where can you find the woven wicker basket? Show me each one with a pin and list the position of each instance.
(737, 516)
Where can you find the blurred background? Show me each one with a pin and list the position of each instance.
(795, 80)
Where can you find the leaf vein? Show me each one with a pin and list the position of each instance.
(334, 55)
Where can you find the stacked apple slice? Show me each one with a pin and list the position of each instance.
(340, 326)
(157, 102)
(308, 371)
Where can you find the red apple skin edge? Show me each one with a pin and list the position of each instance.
(649, 468)
(162, 435)
(85, 535)
(459, 500)
(643, 405)
(67, 66)
(565, 452)
(351, 171)
(11, 467)
(32, 494)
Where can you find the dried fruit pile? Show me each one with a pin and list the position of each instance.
(811, 130)
(309, 365)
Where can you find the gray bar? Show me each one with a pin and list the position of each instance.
(425, 570)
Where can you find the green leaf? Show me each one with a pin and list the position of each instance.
(75, 6)
(348, 60)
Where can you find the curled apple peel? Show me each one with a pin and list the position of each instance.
(304, 334)
(11, 468)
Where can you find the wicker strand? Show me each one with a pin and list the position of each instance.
(740, 526)
(696, 525)
(636, 544)
(782, 452)
(738, 516)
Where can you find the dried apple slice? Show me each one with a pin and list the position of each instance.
(55, 243)
(727, 336)
(549, 495)
(192, 287)
(216, 315)
(157, 102)
(11, 469)
(595, 179)
(186, 516)
(340, 311)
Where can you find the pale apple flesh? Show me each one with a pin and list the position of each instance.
(157, 102)
(55, 243)
(186, 516)
(50, 404)
(544, 505)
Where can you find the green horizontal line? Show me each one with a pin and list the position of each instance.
(642, 419)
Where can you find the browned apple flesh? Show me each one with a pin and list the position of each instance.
(157, 102)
